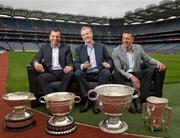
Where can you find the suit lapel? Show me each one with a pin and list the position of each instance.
(135, 56)
(49, 54)
(61, 55)
(123, 52)
(84, 53)
(97, 54)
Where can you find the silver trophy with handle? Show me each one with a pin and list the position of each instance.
(113, 99)
(59, 104)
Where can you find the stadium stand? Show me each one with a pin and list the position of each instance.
(30, 47)
(4, 45)
(16, 46)
(26, 34)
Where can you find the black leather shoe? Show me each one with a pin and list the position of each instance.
(85, 107)
(96, 110)
(139, 108)
(138, 105)
(132, 108)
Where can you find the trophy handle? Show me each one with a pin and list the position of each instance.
(41, 99)
(77, 99)
(90, 93)
(146, 114)
(32, 97)
(136, 93)
(144, 111)
(168, 111)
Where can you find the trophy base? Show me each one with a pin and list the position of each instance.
(60, 127)
(113, 128)
(153, 127)
(18, 116)
(20, 125)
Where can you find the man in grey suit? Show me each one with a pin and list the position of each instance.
(127, 59)
(58, 63)
(92, 63)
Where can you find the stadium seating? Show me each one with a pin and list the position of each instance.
(28, 35)
(30, 47)
(5, 45)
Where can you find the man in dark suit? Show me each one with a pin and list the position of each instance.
(57, 63)
(127, 59)
(92, 63)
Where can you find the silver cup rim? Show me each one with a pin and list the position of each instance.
(70, 94)
(114, 85)
(157, 100)
(18, 96)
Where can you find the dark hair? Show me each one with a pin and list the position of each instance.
(128, 32)
(55, 30)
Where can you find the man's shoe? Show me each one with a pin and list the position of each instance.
(132, 108)
(96, 109)
(139, 108)
(85, 107)
(138, 105)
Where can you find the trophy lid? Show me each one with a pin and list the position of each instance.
(157, 100)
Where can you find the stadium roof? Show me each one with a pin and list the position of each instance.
(165, 10)
(41, 15)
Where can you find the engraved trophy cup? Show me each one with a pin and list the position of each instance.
(156, 113)
(113, 99)
(19, 119)
(59, 104)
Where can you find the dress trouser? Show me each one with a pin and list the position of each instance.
(81, 78)
(44, 80)
(145, 77)
(159, 81)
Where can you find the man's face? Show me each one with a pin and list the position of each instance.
(55, 38)
(87, 35)
(127, 40)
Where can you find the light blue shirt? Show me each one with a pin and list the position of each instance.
(92, 57)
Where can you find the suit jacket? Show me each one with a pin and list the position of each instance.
(45, 55)
(121, 61)
(101, 54)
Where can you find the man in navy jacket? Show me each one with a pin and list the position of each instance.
(92, 63)
(58, 63)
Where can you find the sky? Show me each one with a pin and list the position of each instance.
(98, 8)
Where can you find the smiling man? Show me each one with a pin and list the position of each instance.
(127, 59)
(92, 63)
(57, 63)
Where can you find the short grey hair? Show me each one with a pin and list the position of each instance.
(86, 27)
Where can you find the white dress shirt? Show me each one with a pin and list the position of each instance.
(130, 57)
(55, 59)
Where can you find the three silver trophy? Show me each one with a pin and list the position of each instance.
(112, 99)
